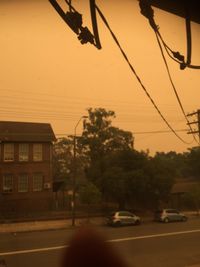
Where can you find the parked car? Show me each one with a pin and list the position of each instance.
(120, 218)
(169, 215)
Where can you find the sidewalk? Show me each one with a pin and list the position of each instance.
(46, 225)
(60, 224)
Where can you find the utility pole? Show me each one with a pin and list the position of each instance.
(197, 114)
(73, 202)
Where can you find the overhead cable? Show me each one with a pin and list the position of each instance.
(174, 88)
(137, 77)
(148, 12)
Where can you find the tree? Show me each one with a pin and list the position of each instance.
(194, 162)
(162, 177)
(175, 161)
(63, 160)
(193, 198)
(89, 195)
(100, 139)
(124, 178)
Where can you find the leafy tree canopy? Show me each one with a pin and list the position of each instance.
(100, 137)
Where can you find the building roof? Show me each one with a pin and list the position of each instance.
(26, 132)
(184, 186)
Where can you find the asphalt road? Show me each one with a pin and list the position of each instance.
(150, 244)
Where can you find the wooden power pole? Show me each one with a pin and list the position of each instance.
(197, 121)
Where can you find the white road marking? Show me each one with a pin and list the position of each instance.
(152, 236)
(31, 250)
(111, 241)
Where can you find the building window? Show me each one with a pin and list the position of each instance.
(8, 183)
(37, 182)
(23, 183)
(37, 152)
(8, 152)
(23, 152)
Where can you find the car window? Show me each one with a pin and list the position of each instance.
(173, 211)
(125, 213)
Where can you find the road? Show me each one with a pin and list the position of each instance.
(150, 244)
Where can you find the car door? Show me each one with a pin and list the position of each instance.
(173, 214)
(123, 217)
(177, 215)
(130, 219)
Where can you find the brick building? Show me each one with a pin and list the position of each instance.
(25, 166)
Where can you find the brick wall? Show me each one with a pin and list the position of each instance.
(31, 200)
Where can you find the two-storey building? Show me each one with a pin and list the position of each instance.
(25, 166)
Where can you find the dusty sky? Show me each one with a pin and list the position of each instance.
(46, 75)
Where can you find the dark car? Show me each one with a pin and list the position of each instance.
(120, 218)
(169, 215)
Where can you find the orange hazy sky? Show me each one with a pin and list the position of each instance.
(46, 75)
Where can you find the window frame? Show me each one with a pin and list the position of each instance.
(38, 153)
(35, 187)
(11, 190)
(8, 154)
(23, 153)
(21, 176)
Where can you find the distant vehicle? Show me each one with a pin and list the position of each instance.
(169, 215)
(120, 218)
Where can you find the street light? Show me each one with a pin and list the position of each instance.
(73, 202)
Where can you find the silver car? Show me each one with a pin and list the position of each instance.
(120, 218)
(169, 215)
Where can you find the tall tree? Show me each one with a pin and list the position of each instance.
(162, 176)
(124, 178)
(62, 159)
(99, 139)
(194, 162)
(175, 161)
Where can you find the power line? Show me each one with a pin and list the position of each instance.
(137, 77)
(31, 115)
(135, 132)
(173, 86)
(148, 12)
(70, 102)
(160, 131)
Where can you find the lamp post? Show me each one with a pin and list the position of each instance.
(73, 202)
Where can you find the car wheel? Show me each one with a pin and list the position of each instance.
(117, 224)
(137, 222)
(184, 219)
(166, 220)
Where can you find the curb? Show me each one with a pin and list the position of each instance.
(46, 225)
(60, 224)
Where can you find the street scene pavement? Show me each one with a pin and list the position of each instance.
(46, 225)
(151, 244)
(62, 223)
